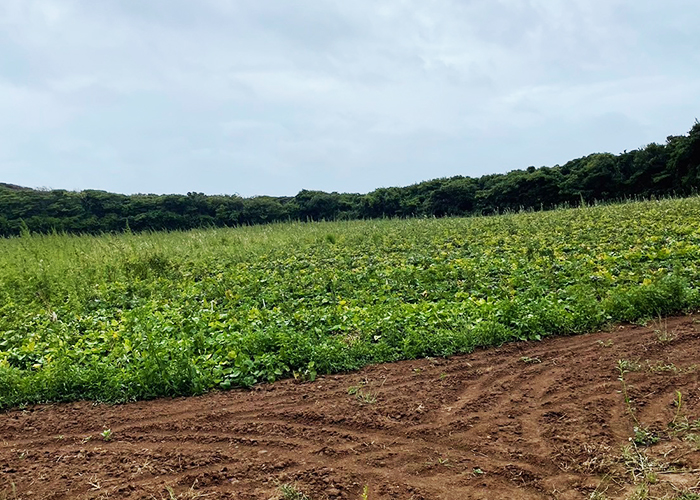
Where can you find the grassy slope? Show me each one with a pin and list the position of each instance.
(137, 316)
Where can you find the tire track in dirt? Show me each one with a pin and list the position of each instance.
(523, 421)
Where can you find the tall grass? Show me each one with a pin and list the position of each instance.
(119, 317)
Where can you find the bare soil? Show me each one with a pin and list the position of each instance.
(523, 421)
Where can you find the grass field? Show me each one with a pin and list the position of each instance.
(122, 317)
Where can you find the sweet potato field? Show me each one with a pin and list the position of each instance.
(135, 316)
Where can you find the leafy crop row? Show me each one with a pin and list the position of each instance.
(121, 317)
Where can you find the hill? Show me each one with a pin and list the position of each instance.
(13, 187)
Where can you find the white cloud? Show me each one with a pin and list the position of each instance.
(272, 97)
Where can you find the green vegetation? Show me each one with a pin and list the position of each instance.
(132, 316)
(642, 467)
(671, 169)
(290, 492)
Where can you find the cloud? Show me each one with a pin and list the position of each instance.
(272, 97)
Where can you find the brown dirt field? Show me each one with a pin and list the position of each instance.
(523, 421)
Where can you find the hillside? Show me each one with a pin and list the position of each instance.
(135, 316)
(13, 187)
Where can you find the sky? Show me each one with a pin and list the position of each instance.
(268, 97)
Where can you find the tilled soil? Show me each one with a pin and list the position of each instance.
(523, 421)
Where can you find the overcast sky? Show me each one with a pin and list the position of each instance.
(274, 96)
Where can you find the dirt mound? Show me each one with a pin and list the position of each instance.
(527, 420)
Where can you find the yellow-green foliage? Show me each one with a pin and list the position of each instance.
(119, 317)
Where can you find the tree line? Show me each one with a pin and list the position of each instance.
(670, 169)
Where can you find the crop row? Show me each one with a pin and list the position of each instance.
(122, 317)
